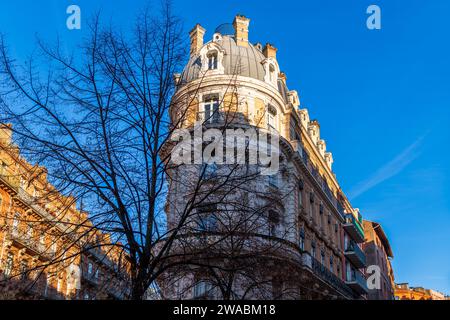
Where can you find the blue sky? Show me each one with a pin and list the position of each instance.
(382, 98)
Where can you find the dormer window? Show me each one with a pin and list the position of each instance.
(212, 60)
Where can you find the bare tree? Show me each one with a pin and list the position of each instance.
(98, 120)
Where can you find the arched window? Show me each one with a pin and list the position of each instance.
(212, 60)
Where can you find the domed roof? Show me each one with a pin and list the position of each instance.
(237, 60)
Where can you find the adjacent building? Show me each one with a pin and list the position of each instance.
(48, 248)
(404, 292)
(231, 82)
(379, 253)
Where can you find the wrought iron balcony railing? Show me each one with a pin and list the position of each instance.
(323, 273)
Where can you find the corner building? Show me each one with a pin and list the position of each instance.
(319, 232)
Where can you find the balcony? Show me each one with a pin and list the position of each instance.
(355, 255)
(325, 275)
(32, 247)
(101, 256)
(357, 282)
(353, 228)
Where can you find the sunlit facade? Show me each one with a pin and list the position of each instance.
(322, 232)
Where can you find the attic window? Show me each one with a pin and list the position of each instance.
(212, 60)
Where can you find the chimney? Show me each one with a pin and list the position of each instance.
(283, 77)
(240, 25)
(196, 35)
(5, 134)
(270, 51)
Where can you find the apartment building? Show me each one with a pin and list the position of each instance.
(230, 82)
(48, 248)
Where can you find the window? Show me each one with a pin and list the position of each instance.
(322, 257)
(203, 290)
(302, 239)
(47, 280)
(59, 284)
(300, 194)
(86, 296)
(211, 107)
(273, 180)
(271, 117)
(300, 199)
(42, 241)
(313, 249)
(90, 267)
(209, 170)
(271, 73)
(54, 247)
(9, 264)
(212, 60)
(350, 272)
(311, 210)
(23, 269)
(274, 220)
(30, 232)
(331, 264)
